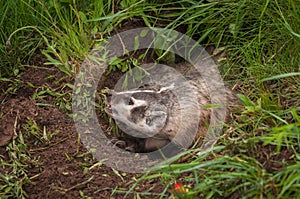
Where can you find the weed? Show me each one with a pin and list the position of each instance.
(62, 98)
(41, 135)
(14, 168)
(286, 135)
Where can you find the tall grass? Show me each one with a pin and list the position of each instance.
(20, 48)
(58, 29)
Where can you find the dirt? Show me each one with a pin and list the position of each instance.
(60, 167)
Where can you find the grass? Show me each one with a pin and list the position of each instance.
(261, 40)
(14, 170)
(238, 164)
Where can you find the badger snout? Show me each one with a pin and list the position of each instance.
(108, 98)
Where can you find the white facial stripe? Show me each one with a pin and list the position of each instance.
(139, 102)
(172, 86)
(136, 91)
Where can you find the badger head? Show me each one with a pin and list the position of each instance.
(142, 112)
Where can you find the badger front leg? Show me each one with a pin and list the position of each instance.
(152, 144)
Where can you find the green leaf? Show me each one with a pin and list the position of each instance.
(144, 32)
(280, 76)
(245, 100)
(136, 43)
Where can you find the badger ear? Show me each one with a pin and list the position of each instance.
(156, 120)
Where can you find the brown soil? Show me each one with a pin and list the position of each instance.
(57, 168)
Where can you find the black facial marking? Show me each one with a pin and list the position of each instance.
(148, 121)
(130, 101)
(126, 100)
(138, 113)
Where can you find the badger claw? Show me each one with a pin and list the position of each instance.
(130, 149)
(119, 143)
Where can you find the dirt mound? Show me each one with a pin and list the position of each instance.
(59, 166)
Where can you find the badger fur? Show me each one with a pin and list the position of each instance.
(170, 105)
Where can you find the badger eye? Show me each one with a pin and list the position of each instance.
(130, 101)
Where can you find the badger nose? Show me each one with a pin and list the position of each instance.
(108, 94)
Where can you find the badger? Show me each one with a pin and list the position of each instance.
(169, 105)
